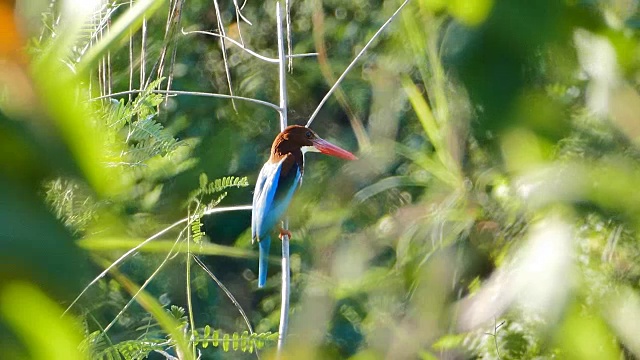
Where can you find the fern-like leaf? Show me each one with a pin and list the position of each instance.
(130, 350)
(196, 232)
(235, 341)
(216, 186)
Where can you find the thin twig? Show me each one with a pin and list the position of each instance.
(229, 295)
(192, 321)
(166, 355)
(237, 9)
(175, 46)
(173, 20)
(325, 68)
(167, 30)
(108, 66)
(98, 29)
(242, 47)
(130, 56)
(242, 17)
(495, 335)
(286, 274)
(612, 242)
(108, 27)
(120, 259)
(293, 56)
(353, 62)
(103, 62)
(191, 93)
(287, 7)
(143, 47)
(226, 291)
(282, 73)
(151, 238)
(146, 283)
(223, 48)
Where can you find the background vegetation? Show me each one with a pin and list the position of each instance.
(493, 212)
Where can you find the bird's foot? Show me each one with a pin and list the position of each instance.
(284, 232)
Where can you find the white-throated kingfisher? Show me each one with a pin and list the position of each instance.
(279, 179)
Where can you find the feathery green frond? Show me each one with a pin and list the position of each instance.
(216, 186)
(235, 341)
(130, 350)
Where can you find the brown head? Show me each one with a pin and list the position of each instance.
(297, 140)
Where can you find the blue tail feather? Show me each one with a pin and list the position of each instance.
(264, 245)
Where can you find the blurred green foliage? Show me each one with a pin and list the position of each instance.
(492, 214)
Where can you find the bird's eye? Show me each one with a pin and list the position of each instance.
(308, 135)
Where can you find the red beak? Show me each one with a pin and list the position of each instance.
(328, 148)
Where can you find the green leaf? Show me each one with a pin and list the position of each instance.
(216, 338)
(25, 308)
(203, 180)
(449, 341)
(225, 342)
(244, 345)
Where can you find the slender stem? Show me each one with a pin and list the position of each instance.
(130, 55)
(121, 258)
(243, 47)
(190, 93)
(286, 290)
(231, 297)
(353, 62)
(228, 208)
(223, 48)
(293, 56)
(282, 70)
(286, 273)
(325, 68)
(143, 51)
(192, 322)
(240, 45)
(287, 8)
(149, 239)
(168, 257)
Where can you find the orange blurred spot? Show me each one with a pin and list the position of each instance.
(11, 40)
(13, 63)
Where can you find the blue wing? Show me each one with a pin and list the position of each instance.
(272, 196)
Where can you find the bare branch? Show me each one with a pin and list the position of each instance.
(286, 271)
(241, 46)
(282, 71)
(191, 93)
(353, 62)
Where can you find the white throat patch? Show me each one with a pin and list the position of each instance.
(306, 149)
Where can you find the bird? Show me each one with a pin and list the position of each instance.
(278, 181)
